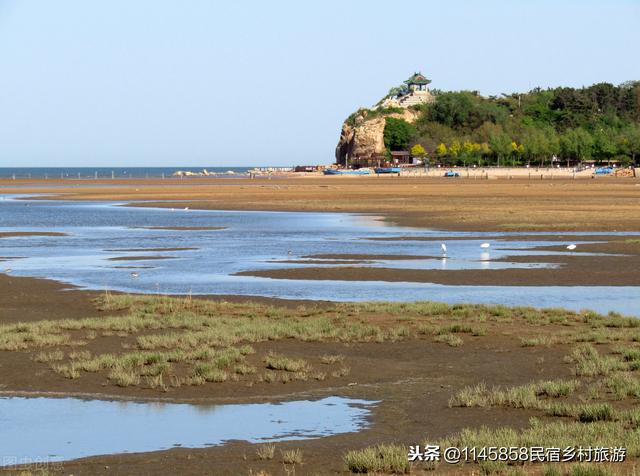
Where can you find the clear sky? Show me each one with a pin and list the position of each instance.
(213, 83)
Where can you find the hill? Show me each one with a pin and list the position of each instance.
(599, 123)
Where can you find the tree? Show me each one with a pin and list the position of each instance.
(629, 141)
(452, 109)
(604, 144)
(454, 149)
(576, 143)
(500, 145)
(398, 134)
(418, 151)
(441, 151)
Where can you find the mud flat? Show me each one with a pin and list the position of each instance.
(617, 266)
(140, 258)
(13, 234)
(420, 361)
(604, 204)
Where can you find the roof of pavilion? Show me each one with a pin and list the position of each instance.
(417, 78)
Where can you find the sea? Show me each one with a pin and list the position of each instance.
(88, 173)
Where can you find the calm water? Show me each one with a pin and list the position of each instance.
(107, 172)
(99, 232)
(57, 429)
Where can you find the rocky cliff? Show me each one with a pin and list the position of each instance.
(363, 133)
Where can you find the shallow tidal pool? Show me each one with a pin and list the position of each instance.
(34, 430)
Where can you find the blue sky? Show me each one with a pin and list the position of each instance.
(170, 83)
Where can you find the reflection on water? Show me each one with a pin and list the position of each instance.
(266, 240)
(56, 429)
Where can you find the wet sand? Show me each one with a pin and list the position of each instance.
(350, 257)
(142, 250)
(140, 258)
(180, 228)
(475, 205)
(413, 380)
(620, 268)
(13, 234)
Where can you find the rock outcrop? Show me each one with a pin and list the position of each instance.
(364, 135)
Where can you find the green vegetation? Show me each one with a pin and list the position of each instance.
(450, 339)
(292, 456)
(398, 134)
(551, 434)
(379, 459)
(600, 122)
(280, 362)
(589, 363)
(331, 359)
(165, 343)
(525, 396)
(266, 451)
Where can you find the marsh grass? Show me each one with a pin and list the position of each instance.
(623, 385)
(386, 459)
(541, 340)
(191, 341)
(524, 396)
(244, 369)
(209, 372)
(331, 359)
(266, 451)
(280, 362)
(156, 381)
(451, 340)
(123, 377)
(80, 355)
(341, 372)
(52, 356)
(550, 434)
(69, 371)
(292, 456)
(583, 469)
(589, 363)
(461, 329)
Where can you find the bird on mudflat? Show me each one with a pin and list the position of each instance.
(134, 275)
(571, 247)
(8, 270)
(485, 245)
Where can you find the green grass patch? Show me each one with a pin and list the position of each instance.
(389, 459)
(280, 362)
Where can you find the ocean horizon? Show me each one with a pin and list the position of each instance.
(117, 172)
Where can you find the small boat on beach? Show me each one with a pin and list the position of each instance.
(387, 170)
(346, 172)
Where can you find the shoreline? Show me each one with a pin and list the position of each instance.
(436, 203)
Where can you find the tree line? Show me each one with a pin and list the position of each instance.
(599, 122)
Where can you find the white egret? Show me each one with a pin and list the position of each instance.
(443, 248)
(571, 247)
(186, 208)
(485, 245)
